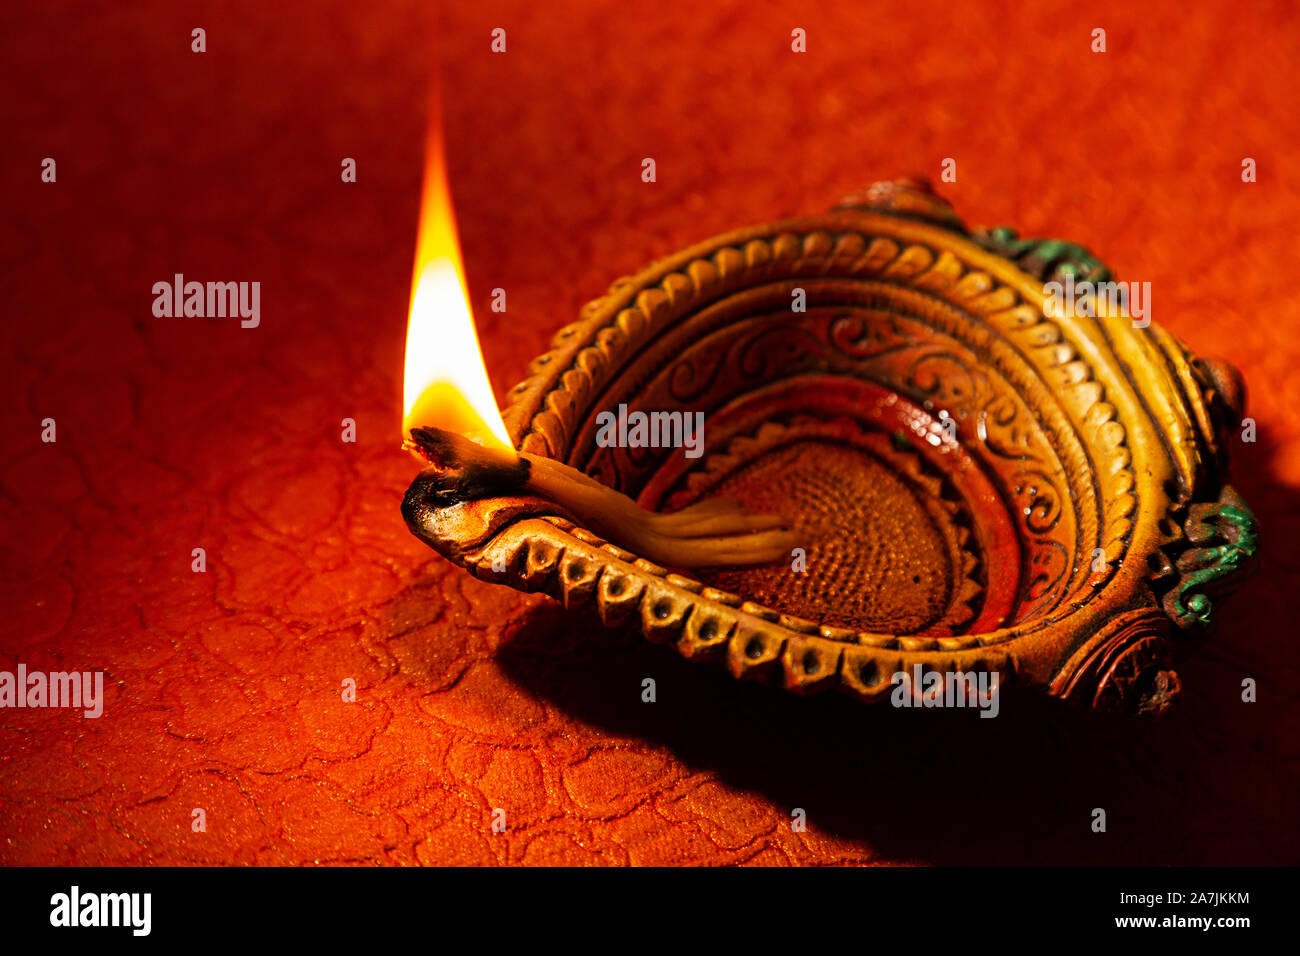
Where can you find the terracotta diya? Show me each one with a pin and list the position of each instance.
(969, 482)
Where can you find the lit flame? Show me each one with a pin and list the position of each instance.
(446, 383)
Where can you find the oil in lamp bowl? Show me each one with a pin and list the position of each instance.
(975, 483)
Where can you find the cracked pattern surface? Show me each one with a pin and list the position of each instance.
(223, 689)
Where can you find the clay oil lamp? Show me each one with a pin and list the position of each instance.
(909, 459)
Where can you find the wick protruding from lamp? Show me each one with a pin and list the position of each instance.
(712, 533)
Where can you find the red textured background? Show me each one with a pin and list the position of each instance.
(224, 688)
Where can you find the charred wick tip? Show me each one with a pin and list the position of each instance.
(443, 449)
(462, 470)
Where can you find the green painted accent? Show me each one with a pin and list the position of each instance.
(1044, 258)
(1236, 523)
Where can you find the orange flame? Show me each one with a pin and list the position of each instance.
(446, 382)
